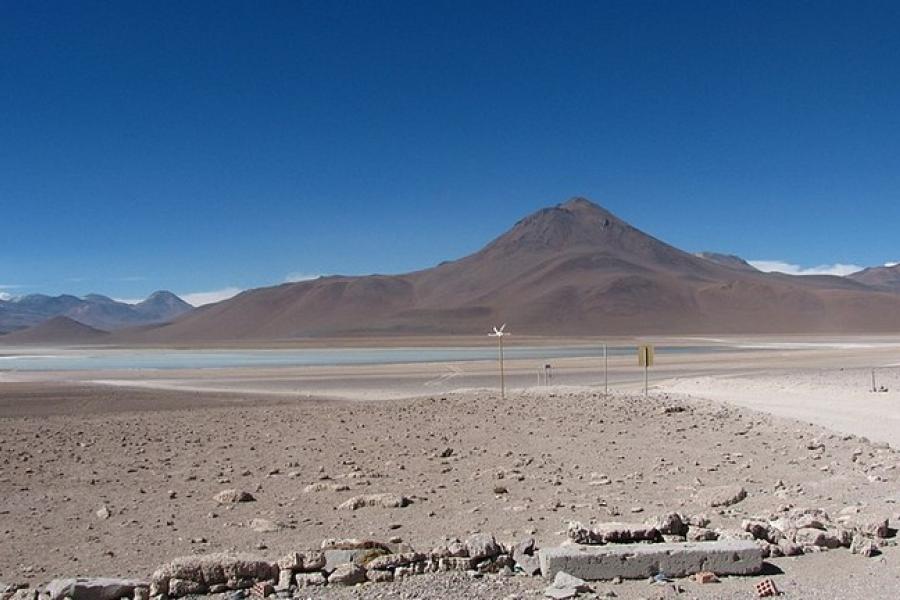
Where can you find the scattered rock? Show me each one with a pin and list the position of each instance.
(565, 586)
(232, 496)
(706, 577)
(482, 545)
(669, 524)
(524, 555)
(863, 546)
(380, 500)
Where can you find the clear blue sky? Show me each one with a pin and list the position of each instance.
(197, 146)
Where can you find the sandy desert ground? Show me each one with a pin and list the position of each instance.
(469, 460)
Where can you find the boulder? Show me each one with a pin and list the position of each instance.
(565, 586)
(392, 561)
(336, 558)
(863, 546)
(482, 545)
(701, 534)
(310, 579)
(379, 576)
(668, 524)
(809, 536)
(525, 557)
(98, 588)
(379, 500)
(211, 569)
(455, 564)
(812, 521)
(347, 574)
(232, 496)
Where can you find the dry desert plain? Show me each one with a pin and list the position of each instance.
(113, 472)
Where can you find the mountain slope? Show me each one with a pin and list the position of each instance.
(574, 268)
(58, 330)
(887, 278)
(727, 260)
(94, 310)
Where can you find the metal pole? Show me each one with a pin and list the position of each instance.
(502, 378)
(874, 389)
(605, 371)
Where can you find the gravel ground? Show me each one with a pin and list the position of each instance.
(470, 461)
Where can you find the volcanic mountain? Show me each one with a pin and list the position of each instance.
(887, 277)
(574, 268)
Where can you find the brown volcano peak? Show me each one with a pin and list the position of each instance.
(572, 268)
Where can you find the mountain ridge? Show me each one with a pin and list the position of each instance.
(572, 268)
(884, 277)
(95, 310)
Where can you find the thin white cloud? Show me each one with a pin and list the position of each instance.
(201, 298)
(295, 277)
(778, 266)
(129, 300)
(891, 264)
(6, 295)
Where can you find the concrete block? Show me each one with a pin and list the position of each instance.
(638, 561)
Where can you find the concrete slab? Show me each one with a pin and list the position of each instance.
(638, 561)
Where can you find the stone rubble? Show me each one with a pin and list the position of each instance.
(601, 551)
(812, 530)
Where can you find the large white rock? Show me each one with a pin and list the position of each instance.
(638, 561)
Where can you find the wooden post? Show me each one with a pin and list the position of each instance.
(646, 370)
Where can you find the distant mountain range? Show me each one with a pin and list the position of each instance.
(887, 278)
(570, 269)
(94, 310)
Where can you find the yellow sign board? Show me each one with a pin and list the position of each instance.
(645, 355)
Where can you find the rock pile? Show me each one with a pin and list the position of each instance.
(812, 530)
(338, 562)
(668, 539)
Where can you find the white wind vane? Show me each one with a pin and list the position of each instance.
(499, 332)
